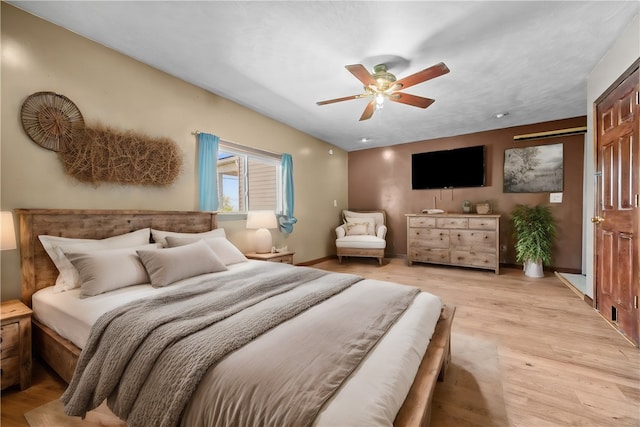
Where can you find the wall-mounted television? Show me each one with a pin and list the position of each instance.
(455, 168)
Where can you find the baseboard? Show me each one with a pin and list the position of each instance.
(588, 300)
(316, 261)
(330, 257)
(549, 268)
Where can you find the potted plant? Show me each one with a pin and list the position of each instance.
(534, 230)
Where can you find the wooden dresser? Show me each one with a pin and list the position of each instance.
(467, 240)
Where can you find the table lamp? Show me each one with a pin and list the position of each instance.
(8, 236)
(261, 221)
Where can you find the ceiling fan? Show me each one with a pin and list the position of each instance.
(383, 85)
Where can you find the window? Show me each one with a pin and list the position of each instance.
(248, 179)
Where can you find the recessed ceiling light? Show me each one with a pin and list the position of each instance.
(501, 115)
(365, 139)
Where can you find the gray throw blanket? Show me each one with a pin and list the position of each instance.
(148, 357)
(287, 377)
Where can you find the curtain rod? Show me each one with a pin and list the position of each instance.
(245, 148)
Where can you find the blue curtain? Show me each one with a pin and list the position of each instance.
(208, 171)
(287, 219)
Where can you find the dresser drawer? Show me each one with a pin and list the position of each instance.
(428, 238)
(452, 222)
(482, 223)
(429, 255)
(422, 221)
(9, 371)
(473, 259)
(473, 240)
(9, 337)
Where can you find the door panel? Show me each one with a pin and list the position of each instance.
(606, 261)
(617, 230)
(625, 148)
(608, 174)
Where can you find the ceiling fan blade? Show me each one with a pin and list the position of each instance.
(368, 111)
(406, 98)
(421, 76)
(361, 74)
(346, 98)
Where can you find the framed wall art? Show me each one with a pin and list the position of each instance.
(537, 169)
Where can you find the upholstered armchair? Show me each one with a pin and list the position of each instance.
(362, 234)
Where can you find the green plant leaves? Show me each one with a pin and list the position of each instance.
(534, 231)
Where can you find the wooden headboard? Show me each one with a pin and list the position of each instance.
(38, 271)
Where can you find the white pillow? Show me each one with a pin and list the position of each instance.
(368, 221)
(356, 229)
(166, 266)
(109, 269)
(377, 216)
(225, 250)
(68, 277)
(160, 236)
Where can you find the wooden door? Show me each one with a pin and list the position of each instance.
(617, 240)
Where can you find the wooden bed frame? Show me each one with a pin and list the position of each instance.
(38, 272)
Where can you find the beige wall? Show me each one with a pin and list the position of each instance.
(117, 91)
(380, 178)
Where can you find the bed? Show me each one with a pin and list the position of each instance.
(38, 272)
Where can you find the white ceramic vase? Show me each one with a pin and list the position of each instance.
(533, 269)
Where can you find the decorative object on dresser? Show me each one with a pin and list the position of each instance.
(15, 350)
(483, 208)
(534, 231)
(284, 257)
(261, 221)
(465, 240)
(362, 234)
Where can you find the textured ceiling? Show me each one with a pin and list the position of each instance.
(528, 58)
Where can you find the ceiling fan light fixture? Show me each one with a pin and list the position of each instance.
(383, 78)
(382, 84)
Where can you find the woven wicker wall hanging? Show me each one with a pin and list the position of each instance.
(99, 153)
(104, 154)
(51, 120)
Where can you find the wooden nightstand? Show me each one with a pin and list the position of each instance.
(286, 257)
(15, 344)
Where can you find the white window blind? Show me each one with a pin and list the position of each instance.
(248, 179)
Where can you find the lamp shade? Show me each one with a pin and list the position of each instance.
(261, 219)
(8, 236)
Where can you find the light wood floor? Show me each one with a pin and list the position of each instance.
(558, 362)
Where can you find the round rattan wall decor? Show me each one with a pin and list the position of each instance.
(50, 119)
